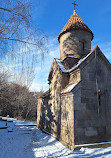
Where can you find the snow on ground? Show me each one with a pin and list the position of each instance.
(21, 141)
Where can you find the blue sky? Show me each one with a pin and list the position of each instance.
(51, 16)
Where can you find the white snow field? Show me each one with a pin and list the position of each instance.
(21, 141)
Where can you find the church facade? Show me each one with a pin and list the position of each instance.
(77, 107)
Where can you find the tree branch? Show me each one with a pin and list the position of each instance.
(5, 9)
(17, 40)
(11, 11)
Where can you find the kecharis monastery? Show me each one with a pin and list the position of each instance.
(77, 107)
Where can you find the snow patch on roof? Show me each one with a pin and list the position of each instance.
(78, 64)
(46, 94)
(69, 88)
(71, 56)
(61, 66)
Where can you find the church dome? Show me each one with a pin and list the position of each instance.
(74, 23)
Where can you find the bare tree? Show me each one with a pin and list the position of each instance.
(20, 45)
(19, 40)
(16, 25)
(4, 76)
(15, 99)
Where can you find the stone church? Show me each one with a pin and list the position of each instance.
(77, 107)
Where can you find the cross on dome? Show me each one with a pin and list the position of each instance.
(75, 5)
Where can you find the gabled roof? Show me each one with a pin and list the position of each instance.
(95, 50)
(73, 68)
(102, 56)
(58, 62)
(74, 23)
(81, 61)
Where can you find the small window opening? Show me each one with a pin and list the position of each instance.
(99, 99)
(83, 45)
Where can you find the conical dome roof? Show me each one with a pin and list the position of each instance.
(74, 23)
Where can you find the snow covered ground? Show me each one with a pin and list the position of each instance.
(21, 141)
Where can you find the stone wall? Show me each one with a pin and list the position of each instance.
(51, 106)
(92, 119)
(75, 76)
(46, 119)
(72, 43)
(58, 121)
(39, 112)
(58, 80)
(67, 120)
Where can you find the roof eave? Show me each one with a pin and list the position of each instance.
(73, 30)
